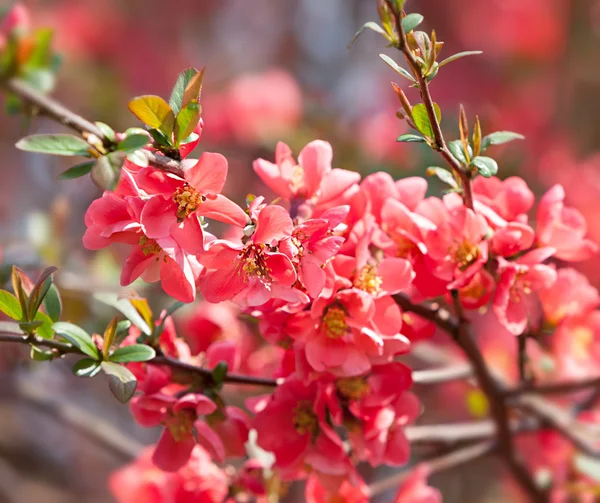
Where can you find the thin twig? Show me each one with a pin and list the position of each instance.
(51, 108)
(555, 388)
(438, 136)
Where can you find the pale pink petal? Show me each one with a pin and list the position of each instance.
(223, 209)
(274, 224)
(315, 160)
(208, 175)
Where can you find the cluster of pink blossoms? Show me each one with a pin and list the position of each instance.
(318, 270)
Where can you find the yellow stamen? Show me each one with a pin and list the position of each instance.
(353, 388)
(305, 419)
(368, 280)
(188, 199)
(334, 323)
(149, 246)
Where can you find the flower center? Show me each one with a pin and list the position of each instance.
(305, 420)
(334, 323)
(253, 263)
(297, 181)
(187, 199)
(465, 255)
(149, 246)
(582, 337)
(181, 424)
(368, 280)
(353, 388)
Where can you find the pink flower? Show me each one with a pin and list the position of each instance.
(512, 239)
(199, 195)
(199, 480)
(414, 488)
(340, 334)
(570, 295)
(311, 178)
(183, 428)
(518, 280)
(315, 244)
(292, 425)
(253, 273)
(347, 492)
(510, 199)
(456, 249)
(563, 228)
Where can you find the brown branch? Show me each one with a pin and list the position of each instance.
(51, 108)
(438, 136)
(437, 464)
(554, 388)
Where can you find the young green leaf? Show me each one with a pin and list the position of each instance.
(86, 367)
(42, 48)
(486, 166)
(138, 158)
(443, 174)
(459, 55)
(57, 144)
(184, 78)
(78, 337)
(219, 373)
(40, 290)
(397, 68)
(20, 281)
(500, 137)
(41, 355)
(456, 149)
(133, 353)
(369, 25)
(154, 112)
(52, 303)
(410, 22)
(193, 89)
(126, 308)
(105, 173)
(411, 138)
(107, 131)
(109, 336)
(10, 306)
(187, 119)
(77, 171)
(159, 138)
(133, 142)
(121, 381)
(421, 118)
(44, 330)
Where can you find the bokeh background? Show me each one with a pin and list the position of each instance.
(275, 70)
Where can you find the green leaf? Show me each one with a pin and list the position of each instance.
(154, 112)
(41, 79)
(10, 305)
(78, 337)
(184, 78)
(486, 165)
(107, 131)
(105, 173)
(455, 147)
(77, 171)
(45, 329)
(121, 381)
(40, 56)
(53, 303)
(41, 355)
(40, 290)
(369, 25)
(138, 158)
(410, 22)
(500, 137)
(219, 373)
(159, 138)
(411, 138)
(133, 353)
(57, 144)
(421, 118)
(109, 336)
(459, 55)
(444, 175)
(86, 367)
(397, 68)
(133, 142)
(187, 120)
(126, 308)
(193, 89)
